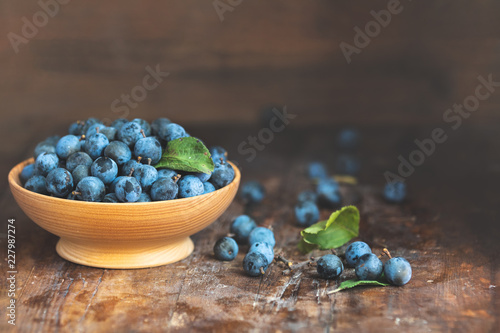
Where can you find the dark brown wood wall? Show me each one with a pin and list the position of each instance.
(283, 52)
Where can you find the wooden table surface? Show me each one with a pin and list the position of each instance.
(448, 230)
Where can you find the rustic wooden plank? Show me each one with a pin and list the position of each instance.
(452, 273)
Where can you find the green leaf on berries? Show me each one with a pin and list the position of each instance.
(186, 154)
(341, 227)
(354, 283)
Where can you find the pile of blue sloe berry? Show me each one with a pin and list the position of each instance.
(245, 231)
(100, 163)
(260, 240)
(368, 267)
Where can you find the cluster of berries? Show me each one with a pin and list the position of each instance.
(368, 266)
(114, 163)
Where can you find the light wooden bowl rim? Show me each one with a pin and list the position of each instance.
(15, 181)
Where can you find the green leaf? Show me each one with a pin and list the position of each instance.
(186, 154)
(341, 227)
(354, 283)
(306, 247)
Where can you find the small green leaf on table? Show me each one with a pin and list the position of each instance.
(186, 154)
(354, 283)
(341, 227)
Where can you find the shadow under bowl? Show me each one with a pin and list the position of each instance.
(123, 235)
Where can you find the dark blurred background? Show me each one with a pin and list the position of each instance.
(226, 64)
(284, 52)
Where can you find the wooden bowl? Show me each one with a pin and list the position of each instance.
(123, 235)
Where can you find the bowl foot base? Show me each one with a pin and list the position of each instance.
(124, 256)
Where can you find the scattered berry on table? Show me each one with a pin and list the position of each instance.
(348, 139)
(264, 248)
(241, 228)
(329, 193)
(369, 267)
(347, 164)
(255, 264)
(317, 171)
(355, 251)
(253, 192)
(225, 249)
(307, 196)
(306, 213)
(395, 192)
(397, 271)
(329, 267)
(261, 234)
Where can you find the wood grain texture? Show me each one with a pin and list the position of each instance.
(125, 235)
(447, 230)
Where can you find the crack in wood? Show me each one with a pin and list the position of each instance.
(57, 283)
(174, 308)
(264, 278)
(279, 301)
(90, 301)
(331, 321)
(316, 286)
(27, 280)
(58, 312)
